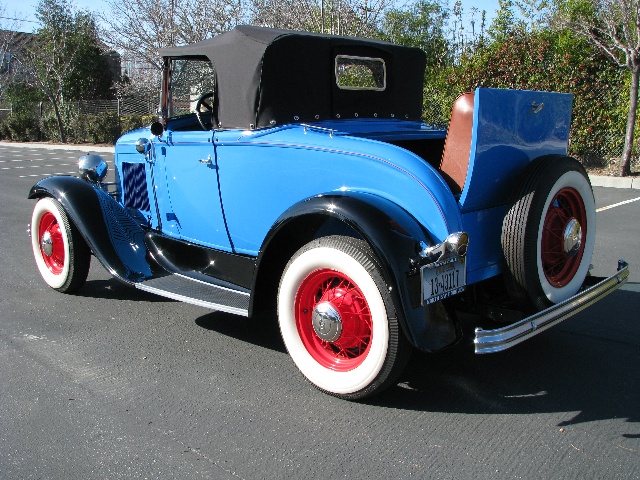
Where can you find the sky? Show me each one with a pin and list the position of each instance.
(25, 10)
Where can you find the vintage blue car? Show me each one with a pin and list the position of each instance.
(292, 171)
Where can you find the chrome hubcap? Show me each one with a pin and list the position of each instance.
(572, 237)
(327, 322)
(46, 244)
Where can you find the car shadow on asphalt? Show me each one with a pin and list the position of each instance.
(260, 330)
(586, 366)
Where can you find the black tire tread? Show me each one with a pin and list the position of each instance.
(525, 205)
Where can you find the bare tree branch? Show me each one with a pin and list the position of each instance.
(139, 28)
(10, 38)
(341, 17)
(614, 27)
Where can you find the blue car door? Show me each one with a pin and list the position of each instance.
(187, 189)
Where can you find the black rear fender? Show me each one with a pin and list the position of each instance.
(393, 234)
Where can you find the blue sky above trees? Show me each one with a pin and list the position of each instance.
(25, 9)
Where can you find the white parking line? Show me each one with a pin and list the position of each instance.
(36, 166)
(617, 204)
(33, 159)
(47, 174)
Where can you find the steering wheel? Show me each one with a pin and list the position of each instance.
(204, 106)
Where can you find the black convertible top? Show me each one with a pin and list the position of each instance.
(267, 76)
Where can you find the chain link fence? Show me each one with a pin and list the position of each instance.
(610, 127)
(94, 121)
(121, 106)
(603, 136)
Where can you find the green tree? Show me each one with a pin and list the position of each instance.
(506, 23)
(535, 13)
(613, 26)
(425, 25)
(553, 61)
(422, 25)
(64, 59)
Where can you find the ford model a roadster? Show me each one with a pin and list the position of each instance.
(291, 170)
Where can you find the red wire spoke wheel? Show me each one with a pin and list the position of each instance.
(333, 320)
(562, 246)
(51, 243)
(548, 234)
(338, 319)
(62, 256)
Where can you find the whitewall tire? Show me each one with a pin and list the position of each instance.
(62, 256)
(548, 234)
(338, 318)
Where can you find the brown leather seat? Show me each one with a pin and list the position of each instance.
(457, 146)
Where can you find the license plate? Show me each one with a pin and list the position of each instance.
(443, 280)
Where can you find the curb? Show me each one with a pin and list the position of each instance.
(615, 182)
(51, 146)
(596, 180)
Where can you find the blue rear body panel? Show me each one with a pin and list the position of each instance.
(511, 128)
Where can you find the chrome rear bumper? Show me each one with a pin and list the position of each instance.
(489, 341)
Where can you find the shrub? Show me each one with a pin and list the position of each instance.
(49, 127)
(21, 128)
(133, 122)
(24, 125)
(102, 128)
(557, 61)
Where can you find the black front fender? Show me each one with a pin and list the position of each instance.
(395, 236)
(114, 237)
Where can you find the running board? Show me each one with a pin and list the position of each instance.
(192, 290)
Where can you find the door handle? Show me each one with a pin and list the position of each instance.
(206, 161)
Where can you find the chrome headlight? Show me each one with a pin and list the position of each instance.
(93, 168)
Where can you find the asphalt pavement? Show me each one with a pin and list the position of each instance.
(112, 382)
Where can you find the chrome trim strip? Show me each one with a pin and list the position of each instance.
(490, 341)
(193, 301)
(314, 128)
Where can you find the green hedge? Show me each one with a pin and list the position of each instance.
(555, 61)
(20, 128)
(79, 128)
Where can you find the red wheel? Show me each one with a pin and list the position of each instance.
(548, 234)
(61, 254)
(52, 248)
(562, 244)
(338, 319)
(333, 320)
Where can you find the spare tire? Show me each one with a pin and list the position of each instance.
(548, 234)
